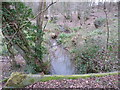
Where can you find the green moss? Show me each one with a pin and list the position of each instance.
(59, 77)
(4, 80)
(15, 79)
(32, 80)
(51, 78)
(75, 29)
(22, 80)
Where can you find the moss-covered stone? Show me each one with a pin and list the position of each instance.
(99, 22)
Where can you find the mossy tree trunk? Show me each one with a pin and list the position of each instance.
(15, 38)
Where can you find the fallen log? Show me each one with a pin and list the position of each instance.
(20, 80)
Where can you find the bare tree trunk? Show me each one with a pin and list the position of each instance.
(107, 43)
(40, 19)
(39, 39)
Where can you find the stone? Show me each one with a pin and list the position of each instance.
(53, 36)
(99, 22)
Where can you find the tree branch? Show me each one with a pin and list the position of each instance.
(31, 20)
(39, 13)
(43, 10)
(12, 37)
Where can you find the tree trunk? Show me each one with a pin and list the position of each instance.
(107, 42)
(20, 42)
(40, 24)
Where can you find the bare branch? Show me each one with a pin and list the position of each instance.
(39, 14)
(29, 21)
(12, 37)
(43, 10)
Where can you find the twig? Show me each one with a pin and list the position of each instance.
(43, 10)
(45, 25)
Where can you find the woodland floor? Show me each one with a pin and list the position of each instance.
(93, 82)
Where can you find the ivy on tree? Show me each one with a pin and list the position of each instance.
(21, 35)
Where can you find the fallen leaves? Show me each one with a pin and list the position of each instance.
(92, 82)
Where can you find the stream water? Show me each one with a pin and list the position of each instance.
(60, 60)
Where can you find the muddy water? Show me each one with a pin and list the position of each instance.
(60, 60)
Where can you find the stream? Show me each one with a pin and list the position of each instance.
(60, 60)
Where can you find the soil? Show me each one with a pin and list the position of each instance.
(7, 68)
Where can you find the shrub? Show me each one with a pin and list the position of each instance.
(90, 58)
(75, 29)
(96, 32)
(63, 37)
(83, 58)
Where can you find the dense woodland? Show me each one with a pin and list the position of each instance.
(59, 38)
